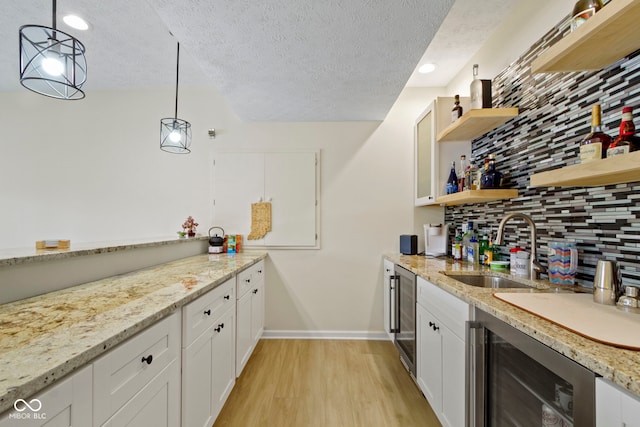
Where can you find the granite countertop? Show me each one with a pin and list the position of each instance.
(616, 364)
(46, 337)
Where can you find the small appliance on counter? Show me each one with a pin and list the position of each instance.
(408, 244)
(216, 242)
(435, 239)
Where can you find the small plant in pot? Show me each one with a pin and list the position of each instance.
(188, 227)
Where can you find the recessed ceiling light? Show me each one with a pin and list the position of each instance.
(76, 22)
(426, 68)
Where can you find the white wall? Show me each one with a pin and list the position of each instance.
(91, 170)
(529, 21)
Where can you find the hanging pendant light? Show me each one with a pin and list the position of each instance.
(175, 133)
(52, 62)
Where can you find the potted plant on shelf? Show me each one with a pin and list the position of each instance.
(189, 227)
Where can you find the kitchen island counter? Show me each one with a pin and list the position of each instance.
(49, 336)
(616, 364)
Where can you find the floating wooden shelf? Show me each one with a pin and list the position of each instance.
(476, 196)
(614, 170)
(607, 36)
(475, 123)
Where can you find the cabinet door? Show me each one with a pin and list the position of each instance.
(197, 378)
(388, 290)
(425, 155)
(429, 358)
(157, 404)
(257, 313)
(65, 404)
(615, 406)
(223, 359)
(453, 381)
(243, 332)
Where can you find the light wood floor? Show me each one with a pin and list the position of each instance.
(325, 383)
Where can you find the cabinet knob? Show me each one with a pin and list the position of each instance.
(220, 326)
(207, 312)
(147, 359)
(248, 280)
(255, 291)
(226, 297)
(432, 324)
(260, 271)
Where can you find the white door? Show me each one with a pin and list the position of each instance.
(243, 336)
(257, 313)
(197, 382)
(453, 371)
(429, 369)
(223, 359)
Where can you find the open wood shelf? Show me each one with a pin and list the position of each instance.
(476, 196)
(475, 123)
(607, 36)
(613, 170)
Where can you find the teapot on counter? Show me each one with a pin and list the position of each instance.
(216, 242)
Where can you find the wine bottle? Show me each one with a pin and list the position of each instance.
(452, 182)
(627, 140)
(583, 10)
(594, 146)
(491, 178)
(456, 112)
(462, 184)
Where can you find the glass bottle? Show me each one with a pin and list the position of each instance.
(583, 10)
(491, 178)
(452, 182)
(594, 146)
(456, 112)
(627, 140)
(462, 185)
(469, 176)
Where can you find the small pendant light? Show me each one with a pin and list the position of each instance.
(52, 62)
(175, 133)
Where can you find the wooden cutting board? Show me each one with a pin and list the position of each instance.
(578, 313)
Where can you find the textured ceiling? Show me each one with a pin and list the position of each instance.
(273, 60)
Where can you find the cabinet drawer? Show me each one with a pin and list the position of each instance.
(129, 367)
(200, 314)
(251, 277)
(449, 309)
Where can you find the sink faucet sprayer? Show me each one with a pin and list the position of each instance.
(535, 268)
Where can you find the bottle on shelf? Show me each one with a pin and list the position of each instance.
(452, 182)
(462, 184)
(627, 140)
(491, 178)
(456, 112)
(470, 176)
(480, 91)
(583, 10)
(594, 146)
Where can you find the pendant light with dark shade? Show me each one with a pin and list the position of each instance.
(175, 133)
(52, 62)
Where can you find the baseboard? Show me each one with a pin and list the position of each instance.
(326, 335)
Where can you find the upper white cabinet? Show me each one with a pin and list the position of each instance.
(288, 180)
(432, 161)
(66, 403)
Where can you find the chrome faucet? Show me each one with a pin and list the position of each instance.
(535, 267)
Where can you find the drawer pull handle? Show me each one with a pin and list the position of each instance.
(255, 291)
(147, 359)
(260, 271)
(248, 280)
(220, 326)
(226, 297)
(207, 312)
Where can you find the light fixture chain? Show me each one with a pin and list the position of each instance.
(177, 75)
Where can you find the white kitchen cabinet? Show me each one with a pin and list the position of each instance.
(250, 310)
(440, 327)
(432, 160)
(139, 376)
(66, 403)
(288, 180)
(615, 406)
(208, 354)
(388, 289)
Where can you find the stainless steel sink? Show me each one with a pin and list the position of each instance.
(485, 281)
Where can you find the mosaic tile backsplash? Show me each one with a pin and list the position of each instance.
(555, 114)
